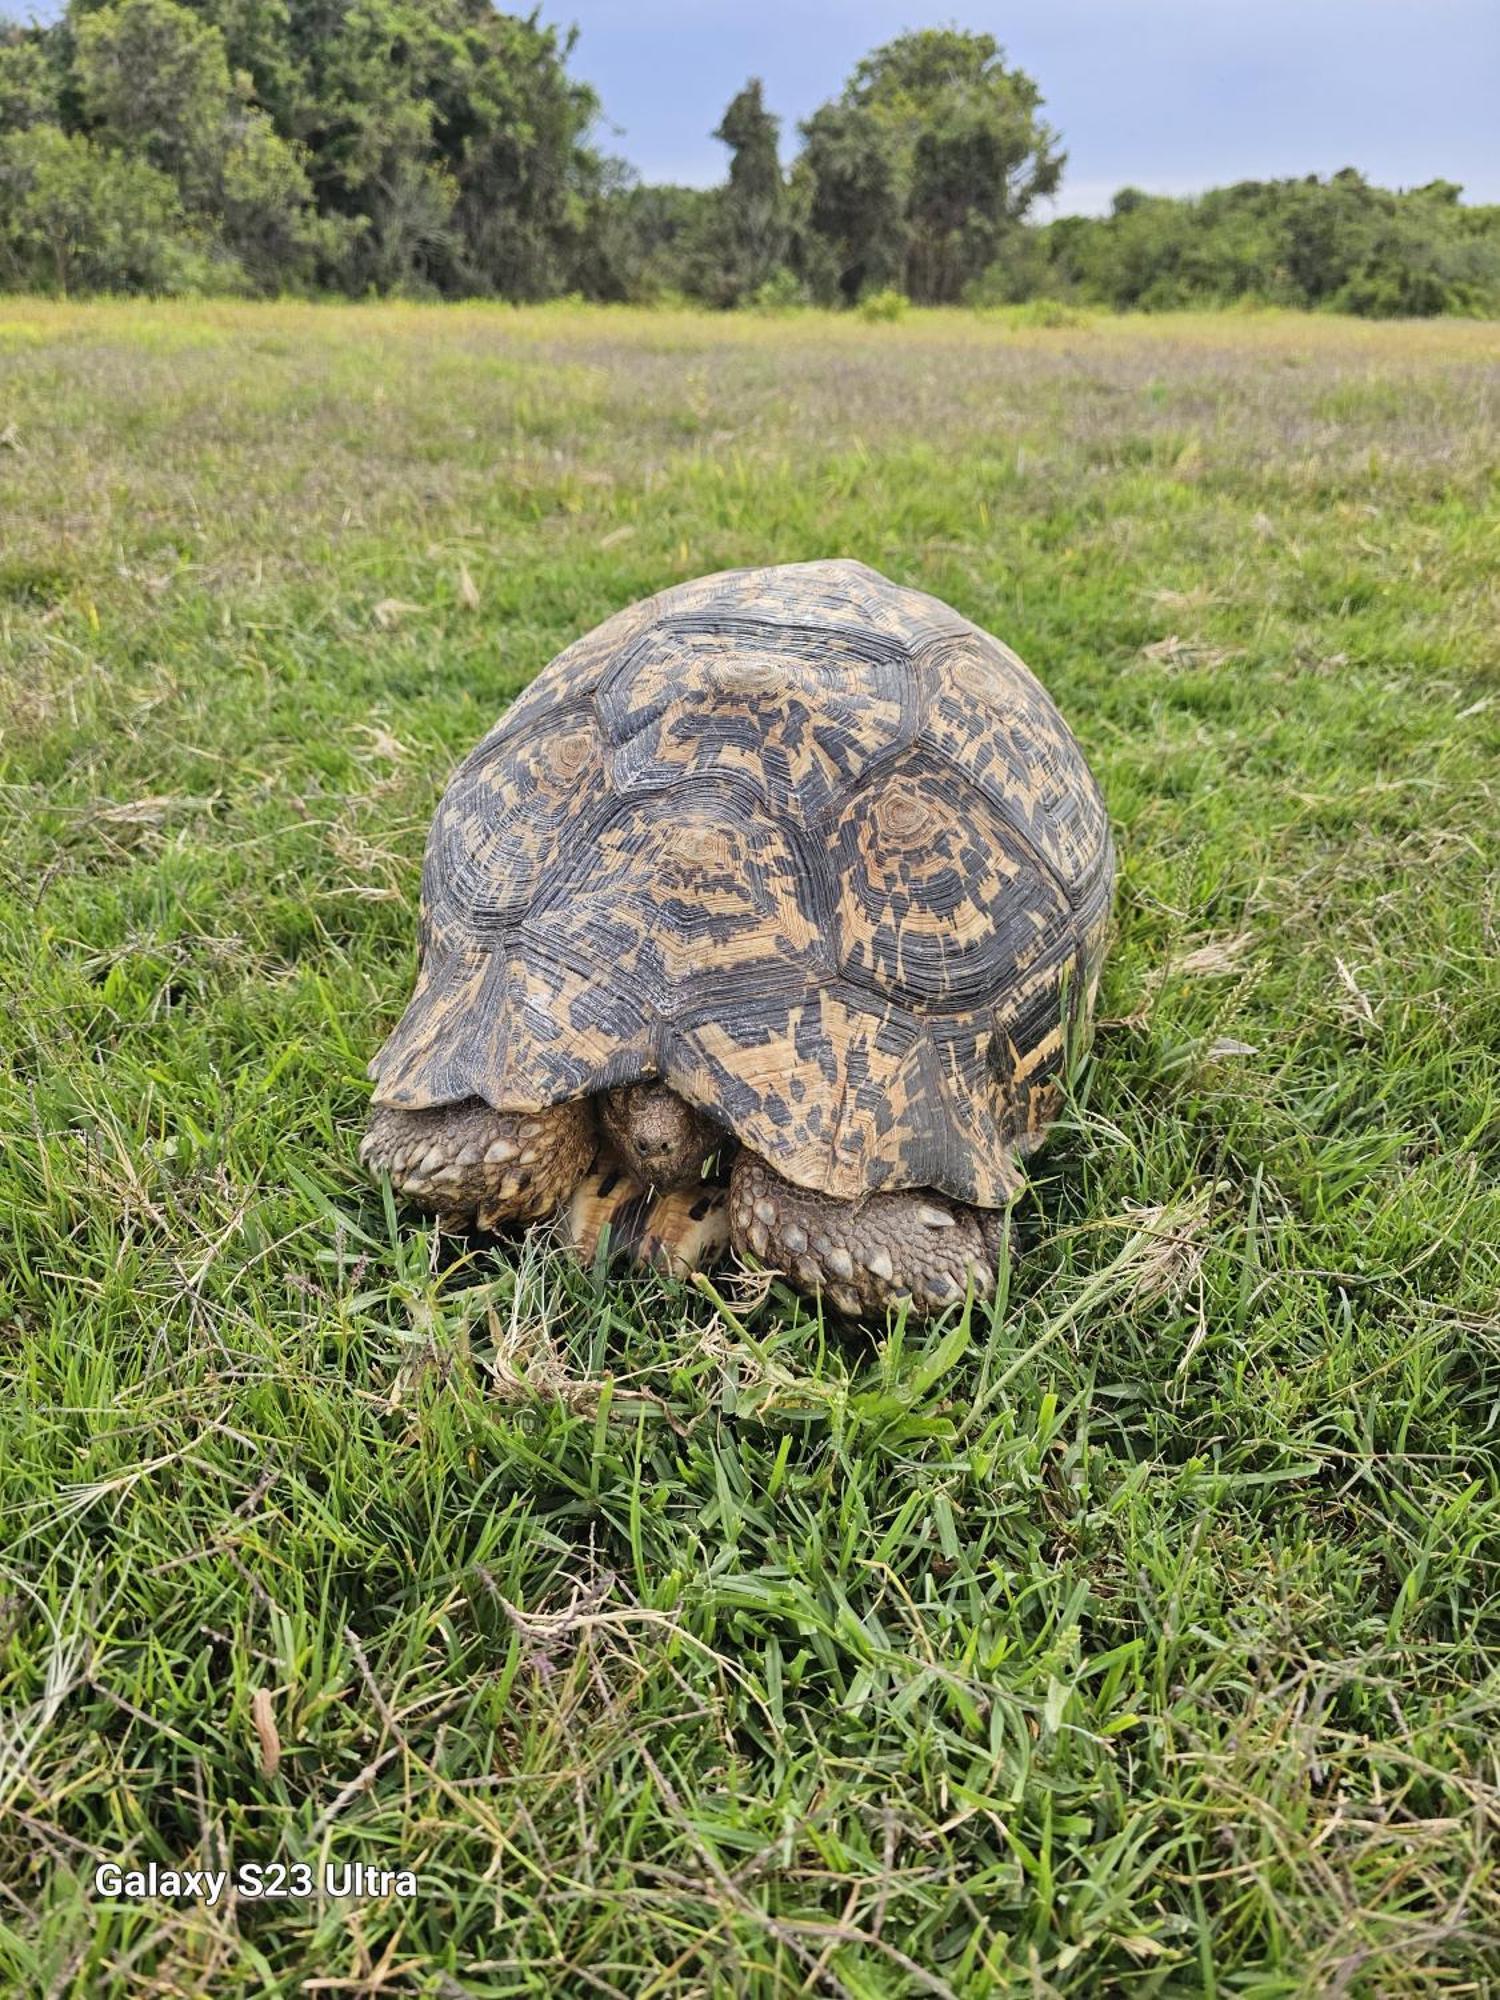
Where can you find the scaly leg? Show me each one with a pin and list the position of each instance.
(681, 1230)
(865, 1255)
(473, 1165)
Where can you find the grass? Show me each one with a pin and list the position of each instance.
(1138, 1637)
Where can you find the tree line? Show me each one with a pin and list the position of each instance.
(440, 148)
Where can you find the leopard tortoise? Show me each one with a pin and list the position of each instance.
(792, 868)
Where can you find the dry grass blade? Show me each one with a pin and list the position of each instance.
(263, 1715)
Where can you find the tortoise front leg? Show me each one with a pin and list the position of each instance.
(472, 1164)
(680, 1230)
(863, 1256)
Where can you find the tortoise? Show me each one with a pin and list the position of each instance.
(791, 868)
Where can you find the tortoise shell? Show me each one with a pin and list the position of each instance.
(804, 843)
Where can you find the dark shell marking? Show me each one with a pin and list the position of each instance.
(805, 844)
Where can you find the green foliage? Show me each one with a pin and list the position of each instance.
(725, 246)
(853, 198)
(934, 151)
(645, 244)
(393, 145)
(1018, 270)
(31, 79)
(745, 245)
(783, 291)
(153, 81)
(261, 197)
(452, 133)
(440, 147)
(887, 304)
(1340, 243)
(159, 123)
(78, 217)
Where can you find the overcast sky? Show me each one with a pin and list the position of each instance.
(1168, 95)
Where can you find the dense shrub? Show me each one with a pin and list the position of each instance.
(1337, 242)
(31, 81)
(422, 145)
(886, 304)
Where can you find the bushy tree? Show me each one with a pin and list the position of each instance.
(77, 217)
(452, 134)
(260, 199)
(153, 84)
(31, 79)
(934, 152)
(425, 145)
(849, 181)
(153, 81)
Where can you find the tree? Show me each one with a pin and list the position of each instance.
(30, 79)
(750, 241)
(74, 217)
(934, 152)
(512, 131)
(154, 81)
(261, 200)
(154, 84)
(849, 176)
(426, 145)
(452, 133)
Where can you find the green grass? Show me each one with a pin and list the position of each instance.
(1138, 1637)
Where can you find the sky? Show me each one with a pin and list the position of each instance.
(1168, 95)
(1172, 96)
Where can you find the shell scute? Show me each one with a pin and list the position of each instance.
(574, 675)
(676, 890)
(797, 715)
(503, 820)
(938, 902)
(988, 717)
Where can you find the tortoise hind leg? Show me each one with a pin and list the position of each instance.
(473, 1164)
(863, 1256)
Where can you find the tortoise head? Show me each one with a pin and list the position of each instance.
(661, 1140)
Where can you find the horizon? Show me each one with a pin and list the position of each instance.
(1162, 95)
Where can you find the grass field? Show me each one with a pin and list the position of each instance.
(1141, 1636)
